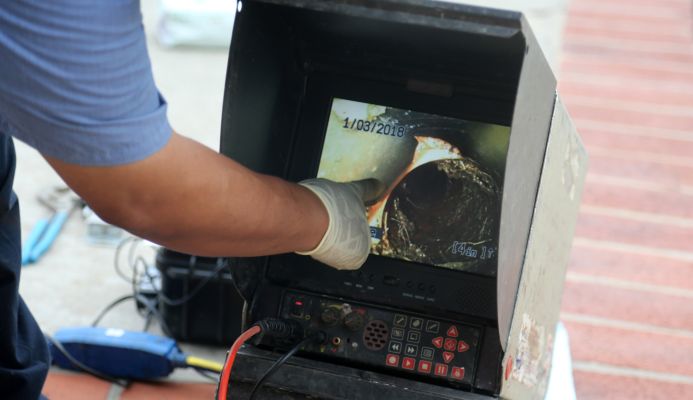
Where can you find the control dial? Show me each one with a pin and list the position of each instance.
(354, 321)
(330, 316)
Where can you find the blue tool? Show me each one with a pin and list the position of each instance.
(61, 201)
(42, 236)
(122, 354)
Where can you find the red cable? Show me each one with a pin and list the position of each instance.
(226, 372)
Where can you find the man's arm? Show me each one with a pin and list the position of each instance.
(190, 198)
(76, 84)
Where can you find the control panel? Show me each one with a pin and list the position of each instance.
(380, 337)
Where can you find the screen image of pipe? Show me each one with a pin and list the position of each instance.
(443, 178)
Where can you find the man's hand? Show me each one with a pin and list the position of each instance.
(346, 242)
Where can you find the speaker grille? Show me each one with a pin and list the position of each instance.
(375, 335)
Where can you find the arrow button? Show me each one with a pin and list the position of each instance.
(438, 342)
(462, 346)
(452, 331)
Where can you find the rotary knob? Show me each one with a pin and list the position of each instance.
(354, 321)
(330, 316)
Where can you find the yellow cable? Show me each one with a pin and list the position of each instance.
(204, 364)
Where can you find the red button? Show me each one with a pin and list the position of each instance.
(438, 342)
(457, 373)
(447, 357)
(441, 370)
(408, 363)
(462, 346)
(425, 367)
(392, 360)
(452, 331)
(450, 344)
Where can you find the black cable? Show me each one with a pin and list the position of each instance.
(147, 303)
(83, 367)
(133, 249)
(135, 263)
(280, 361)
(116, 259)
(137, 277)
(208, 374)
(152, 309)
(110, 307)
(149, 276)
(221, 264)
(148, 321)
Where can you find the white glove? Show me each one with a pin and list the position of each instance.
(346, 242)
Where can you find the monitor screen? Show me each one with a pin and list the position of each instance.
(443, 178)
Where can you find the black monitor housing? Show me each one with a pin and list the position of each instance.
(289, 60)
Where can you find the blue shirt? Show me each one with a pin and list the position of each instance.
(76, 82)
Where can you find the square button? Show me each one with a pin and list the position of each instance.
(414, 337)
(427, 353)
(411, 350)
(397, 333)
(400, 320)
(392, 360)
(395, 347)
(432, 326)
(416, 323)
(425, 367)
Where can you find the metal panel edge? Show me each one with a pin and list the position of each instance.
(534, 107)
(527, 360)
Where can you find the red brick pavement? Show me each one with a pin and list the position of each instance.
(600, 386)
(76, 386)
(616, 345)
(169, 391)
(66, 385)
(627, 78)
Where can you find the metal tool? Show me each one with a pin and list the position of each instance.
(61, 201)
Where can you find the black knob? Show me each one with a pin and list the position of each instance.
(354, 321)
(330, 316)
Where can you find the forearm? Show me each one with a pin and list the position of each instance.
(191, 199)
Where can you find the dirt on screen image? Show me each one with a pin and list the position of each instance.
(444, 178)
